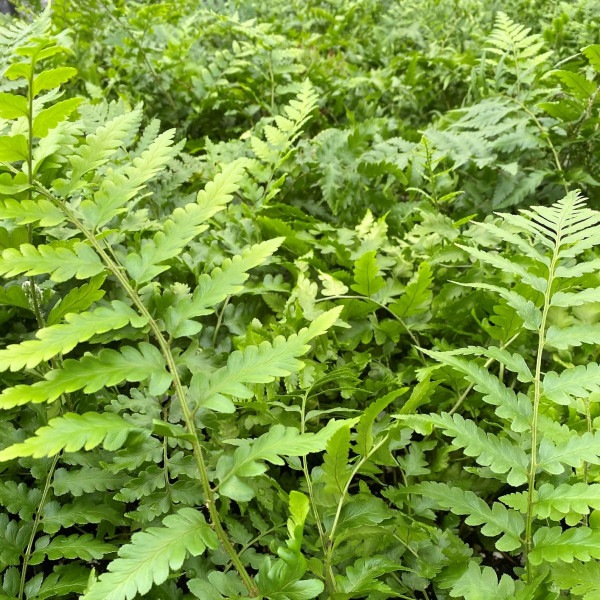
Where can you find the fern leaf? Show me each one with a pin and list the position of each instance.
(574, 452)
(72, 432)
(122, 185)
(58, 339)
(85, 546)
(91, 373)
(226, 280)
(499, 454)
(60, 262)
(99, 147)
(77, 300)
(577, 382)
(248, 459)
(481, 583)
(152, 554)
(368, 282)
(56, 517)
(580, 579)
(417, 295)
(64, 580)
(88, 479)
(575, 335)
(569, 299)
(552, 543)
(31, 211)
(496, 520)
(257, 364)
(516, 408)
(556, 502)
(336, 467)
(18, 499)
(184, 225)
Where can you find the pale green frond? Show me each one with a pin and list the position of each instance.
(152, 554)
(85, 546)
(85, 480)
(552, 457)
(248, 459)
(577, 382)
(551, 544)
(489, 450)
(257, 364)
(223, 281)
(61, 263)
(481, 583)
(120, 186)
(574, 335)
(91, 373)
(569, 299)
(516, 408)
(73, 432)
(556, 503)
(31, 211)
(497, 520)
(580, 579)
(61, 339)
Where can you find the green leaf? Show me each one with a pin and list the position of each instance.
(368, 282)
(55, 516)
(592, 53)
(361, 578)
(555, 503)
(152, 554)
(13, 106)
(257, 364)
(580, 579)
(72, 432)
(31, 211)
(84, 546)
(61, 339)
(77, 300)
(577, 382)
(64, 580)
(18, 499)
(417, 295)
(575, 335)
(52, 78)
(516, 408)
(60, 262)
(489, 450)
(496, 520)
(364, 428)
(553, 543)
(336, 467)
(50, 117)
(91, 373)
(579, 86)
(577, 449)
(13, 148)
(83, 481)
(248, 459)
(479, 583)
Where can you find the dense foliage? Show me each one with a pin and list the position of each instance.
(300, 299)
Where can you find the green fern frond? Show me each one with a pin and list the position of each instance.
(573, 383)
(497, 453)
(553, 457)
(85, 546)
(91, 373)
(257, 364)
(61, 263)
(72, 432)
(152, 554)
(61, 339)
(86, 480)
(31, 211)
(553, 543)
(580, 579)
(496, 520)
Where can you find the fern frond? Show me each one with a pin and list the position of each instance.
(18, 499)
(57, 516)
(88, 479)
(61, 263)
(481, 583)
(553, 543)
(581, 579)
(573, 383)
(553, 457)
(31, 211)
(257, 364)
(91, 373)
(248, 459)
(119, 186)
(152, 554)
(573, 336)
(499, 454)
(226, 280)
(85, 546)
(184, 225)
(516, 408)
(496, 520)
(72, 432)
(555, 503)
(61, 339)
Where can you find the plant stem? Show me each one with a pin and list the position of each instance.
(36, 524)
(536, 401)
(171, 365)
